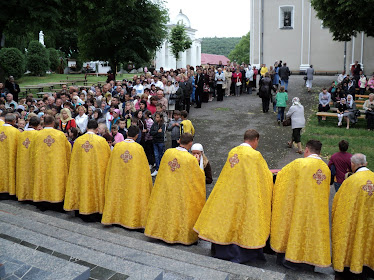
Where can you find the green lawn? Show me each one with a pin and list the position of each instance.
(360, 140)
(48, 78)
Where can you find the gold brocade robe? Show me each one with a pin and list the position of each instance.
(300, 217)
(177, 198)
(51, 155)
(8, 151)
(25, 172)
(86, 181)
(353, 223)
(238, 210)
(128, 186)
(1, 122)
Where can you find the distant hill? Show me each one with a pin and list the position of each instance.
(221, 46)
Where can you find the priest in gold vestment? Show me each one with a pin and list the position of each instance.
(25, 172)
(128, 184)
(177, 196)
(51, 155)
(86, 181)
(300, 228)
(353, 222)
(236, 217)
(8, 150)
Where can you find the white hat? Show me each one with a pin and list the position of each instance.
(197, 147)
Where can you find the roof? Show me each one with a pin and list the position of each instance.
(213, 59)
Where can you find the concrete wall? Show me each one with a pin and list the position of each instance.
(306, 43)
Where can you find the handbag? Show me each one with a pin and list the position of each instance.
(287, 122)
(206, 88)
(238, 83)
(305, 78)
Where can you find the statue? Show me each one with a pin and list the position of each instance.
(41, 38)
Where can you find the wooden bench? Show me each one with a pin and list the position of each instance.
(359, 103)
(335, 115)
(336, 109)
(362, 96)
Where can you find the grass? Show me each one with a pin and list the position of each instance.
(49, 78)
(360, 140)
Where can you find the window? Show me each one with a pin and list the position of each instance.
(286, 17)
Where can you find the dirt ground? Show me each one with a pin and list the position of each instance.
(220, 126)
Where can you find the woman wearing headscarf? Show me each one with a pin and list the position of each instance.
(350, 114)
(296, 113)
(66, 121)
(198, 151)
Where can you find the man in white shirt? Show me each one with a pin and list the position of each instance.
(158, 83)
(220, 79)
(139, 88)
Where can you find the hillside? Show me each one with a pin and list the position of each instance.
(216, 45)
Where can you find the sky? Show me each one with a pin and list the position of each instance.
(211, 18)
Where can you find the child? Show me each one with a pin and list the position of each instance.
(342, 107)
(186, 125)
(158, 134)
(118, 137)
(281, 99)
(160, 109)
(174, 127)
(109, 140)
(122, 127)
(21, 125)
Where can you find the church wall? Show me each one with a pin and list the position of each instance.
(307, 43)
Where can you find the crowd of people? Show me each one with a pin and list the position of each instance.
(118, 133)
(342, 95)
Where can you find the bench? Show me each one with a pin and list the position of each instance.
(362, 96)
(359, 103)
(335, 115)
(336, 109)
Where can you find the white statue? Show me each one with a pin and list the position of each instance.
(41, 38)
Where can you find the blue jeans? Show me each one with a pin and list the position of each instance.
(274, 106)
(280, 113)
(285, 84)
(337, 186)
(159, 150)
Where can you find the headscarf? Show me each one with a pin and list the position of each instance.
(350, 104)
(69, 115)
(296, 101)
(203, 158)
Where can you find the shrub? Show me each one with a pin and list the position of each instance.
(12, 61)
(54, 60)
(37, 60)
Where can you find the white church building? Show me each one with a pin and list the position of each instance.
(289, 30)
(164, 57)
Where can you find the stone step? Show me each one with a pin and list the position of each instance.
(102, 265)
(20, 262)
(131, 249)
(173, 260)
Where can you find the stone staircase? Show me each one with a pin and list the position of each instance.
(62, 248)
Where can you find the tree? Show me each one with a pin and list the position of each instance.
(179, 40)
(222, 46)
(12, 62)
(54, 60)
(241, 51)
(346, 18)
(21, 17)
(37, 60)
(129, 32)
